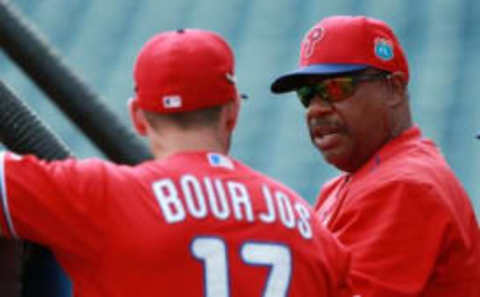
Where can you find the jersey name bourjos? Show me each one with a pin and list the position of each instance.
(226, 199)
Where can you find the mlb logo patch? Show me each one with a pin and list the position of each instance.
(218, 160)
(173, 101)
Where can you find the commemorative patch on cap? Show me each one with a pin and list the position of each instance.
(383, 49)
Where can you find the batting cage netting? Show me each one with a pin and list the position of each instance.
(27, 269)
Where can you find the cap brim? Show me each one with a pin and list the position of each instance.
(295, 79)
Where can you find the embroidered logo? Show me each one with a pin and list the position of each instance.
(218, 160)
(311, 39)
(383, 49)
(172, 101)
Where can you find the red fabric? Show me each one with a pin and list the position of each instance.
(108, 228)
(179, 71)
(408, 222)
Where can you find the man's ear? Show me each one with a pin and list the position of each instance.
(233, 112)
(398, 89)
(137, 117)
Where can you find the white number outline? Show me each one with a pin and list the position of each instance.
(273, 255)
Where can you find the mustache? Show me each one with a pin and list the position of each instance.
(318, 127)
(325, 124)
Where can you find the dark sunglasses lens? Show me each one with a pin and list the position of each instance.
(305, 94)
(339, 89)
(331, 90)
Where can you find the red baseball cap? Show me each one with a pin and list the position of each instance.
(184, 70)
(342, 44)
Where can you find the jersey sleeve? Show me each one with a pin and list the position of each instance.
(57, 204)
(395, 233)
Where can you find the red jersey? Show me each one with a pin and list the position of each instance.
(408, 222)
(194, 224)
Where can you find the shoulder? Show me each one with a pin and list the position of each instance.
(417, 166)
(419, 161)
(260, 178)
(30, 164)
(414, 191)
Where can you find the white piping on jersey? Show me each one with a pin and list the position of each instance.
(4, 198)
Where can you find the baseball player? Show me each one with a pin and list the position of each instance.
(192, 222)
(398, 206)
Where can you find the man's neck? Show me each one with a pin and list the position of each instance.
(165, 145)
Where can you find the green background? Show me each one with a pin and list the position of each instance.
(99, 40)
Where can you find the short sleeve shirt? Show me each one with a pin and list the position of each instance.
(194, 224)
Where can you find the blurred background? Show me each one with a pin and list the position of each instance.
(99, 39)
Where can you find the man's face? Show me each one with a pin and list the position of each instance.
(349, 131)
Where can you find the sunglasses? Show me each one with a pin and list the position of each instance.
(335, 89)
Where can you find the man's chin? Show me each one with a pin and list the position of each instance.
(336, 158)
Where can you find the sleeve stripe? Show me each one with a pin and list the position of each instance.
(4, 198)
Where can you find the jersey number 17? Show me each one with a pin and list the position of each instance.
(212, 251)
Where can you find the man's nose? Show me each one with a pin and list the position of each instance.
(319, 106)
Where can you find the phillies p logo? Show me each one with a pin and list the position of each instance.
(311, 39)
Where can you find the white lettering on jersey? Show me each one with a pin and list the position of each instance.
(199, 209)
(221, 212)
(240, 199)
(167, 197)
(269, 216)
(287, 212)
(285, 209)
(224, 199)
(303, 221)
